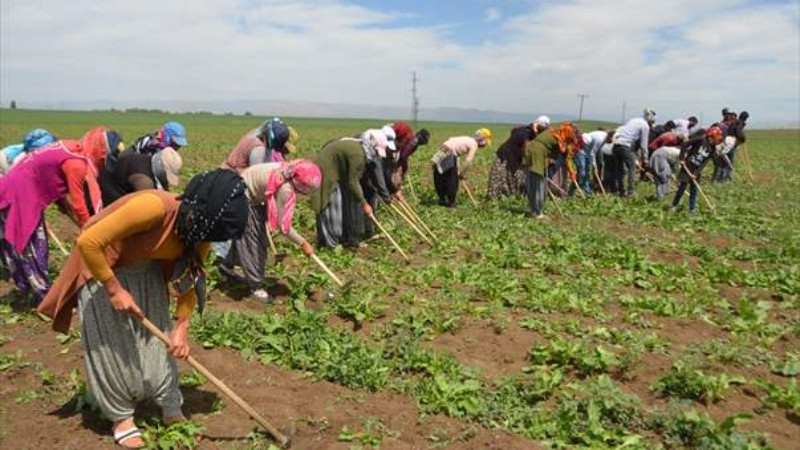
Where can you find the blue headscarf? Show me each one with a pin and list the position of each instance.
(36, 139)
(174, 133)
(13, 151)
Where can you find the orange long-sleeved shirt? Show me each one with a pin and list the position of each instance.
(137, 215)
(75, 173)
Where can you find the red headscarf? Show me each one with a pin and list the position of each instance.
(95, 146)
(404, 134)
(304, 176)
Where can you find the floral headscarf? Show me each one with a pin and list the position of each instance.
(568, 143)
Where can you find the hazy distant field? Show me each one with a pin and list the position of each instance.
(620, 325)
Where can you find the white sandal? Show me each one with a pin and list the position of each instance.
(130, 433)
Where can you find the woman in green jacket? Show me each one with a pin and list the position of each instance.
(340, 196)
(547, 145)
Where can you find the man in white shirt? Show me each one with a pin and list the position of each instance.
(586, 157)
(684, 126)
(629, 140)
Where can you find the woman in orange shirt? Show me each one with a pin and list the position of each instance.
(119, 271)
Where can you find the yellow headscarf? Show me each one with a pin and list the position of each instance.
(484, 134)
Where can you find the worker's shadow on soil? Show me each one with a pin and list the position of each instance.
(90, 418)
(19, 304)
(240, 290)
(515, 209)
(196, 400)
(235, 287)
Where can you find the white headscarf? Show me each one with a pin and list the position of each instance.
(374, 143)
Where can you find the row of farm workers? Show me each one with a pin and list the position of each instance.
(137, 238)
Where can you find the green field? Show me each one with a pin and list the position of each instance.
(619, 325)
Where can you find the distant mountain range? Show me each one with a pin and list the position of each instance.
(299, 109)
(284, 108)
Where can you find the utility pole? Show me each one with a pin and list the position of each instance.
(622, 120)
(414, 99)
(580, 112)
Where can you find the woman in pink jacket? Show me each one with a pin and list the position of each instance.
(56, 172)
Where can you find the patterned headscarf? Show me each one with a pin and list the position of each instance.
(304, 177)
(566, 137)
(374, 143)
(213, 208)
(275, 133)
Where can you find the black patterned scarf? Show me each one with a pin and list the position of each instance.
(213, 208)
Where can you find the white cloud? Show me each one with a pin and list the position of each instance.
(673, 56)
(493, 15)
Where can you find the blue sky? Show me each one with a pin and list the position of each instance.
(464, 22)
(681, 57)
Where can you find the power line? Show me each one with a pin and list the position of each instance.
(580, 111)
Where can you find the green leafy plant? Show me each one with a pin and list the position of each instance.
(78, 392)
(68, 338)
(192, 379)
(372, 436)
(360, 308)
(687, 382)
(8, 361)
(789, 367)
(595, 413)
(48, 377)
(577, 356)
(178, 436)
(693, 429)
(777, 396)
(27, 395)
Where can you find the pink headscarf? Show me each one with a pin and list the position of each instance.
(304, 176)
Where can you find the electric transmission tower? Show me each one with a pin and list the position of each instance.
(580, 111)
(622, 120)
(414, 99)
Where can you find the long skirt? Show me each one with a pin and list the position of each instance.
(125, 363)
(249, 251)
(537, 192)
(341, 221)
(28, 269)
(446, 185)
(504, 182)
(557, 177)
